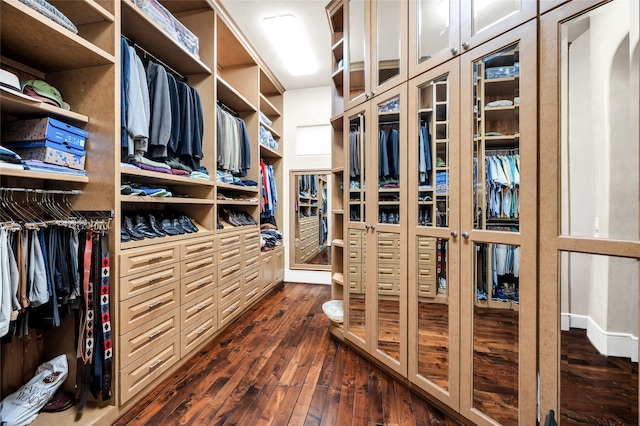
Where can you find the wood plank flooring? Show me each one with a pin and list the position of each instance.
(277, 365)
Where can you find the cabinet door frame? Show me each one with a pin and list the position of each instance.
(526, 238)
(451, 395)
(552, 242)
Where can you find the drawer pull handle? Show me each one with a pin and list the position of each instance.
(155, 364)
(202, 283)
(201, 307)
(155, 304)
(202, 265)
(155, 334)
(156, 280)
(202, 330)
(253, 293)
(233, 308)
(155, 259)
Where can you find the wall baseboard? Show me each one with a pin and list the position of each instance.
(606, 342)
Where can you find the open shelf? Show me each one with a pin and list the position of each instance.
(268, 108)
(164, 200)
(17, 105)
(83, 13)
(31, 174)
(232, 98)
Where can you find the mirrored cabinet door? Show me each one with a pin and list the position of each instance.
(434, 309)
(590, 235)
(389, 44)
(498, 247)
(357, 53)
(388, 256)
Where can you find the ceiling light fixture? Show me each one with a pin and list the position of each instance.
(290, 41)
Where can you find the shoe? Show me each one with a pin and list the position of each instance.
(168, 227)
(141, 225)
(420, 218)
(187, 223)
(384, 218)
(155, 226)
(179, 228)
(131, 230)
(124, 235)
(480, 295)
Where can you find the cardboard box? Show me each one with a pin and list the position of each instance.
(47, 128)
(50, 152)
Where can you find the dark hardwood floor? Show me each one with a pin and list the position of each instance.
(322, 258)
(278, 365)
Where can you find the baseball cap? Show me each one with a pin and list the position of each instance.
(9, 83)
(43, 91)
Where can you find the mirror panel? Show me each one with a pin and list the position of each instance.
(433, 153)
(489, 12)
(357, 282)
(433, 28)
(389, 161)
(599, 138)
(496, 141)
(433, 310)
(598, 339)
(388, 40)
(496, 331)
(356, 45)
(357, 169)
(310, 219)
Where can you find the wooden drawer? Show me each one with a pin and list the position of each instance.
(145, 370)
(198, 284)
(388, 241)
(251, 278)
(427, 288)
(357, 255)
(229, 269)
(204, 306)
(278, 258)
(229, 311)
(356, 238)
(386, 255)
(228, 254)
(427, 257)
(142, 282)
(199, 332)
(251, 240)
(197, 264)
(143, 339)
(141, 259)
(195, 248)
(267, 271)
(388, 287)
(229, 240)
(426, 243)
(141, 309)
(251, 294)
(229, 289)
(251, 260)
(389, 272)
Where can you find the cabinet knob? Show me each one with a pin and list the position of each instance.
(454, 234)
(373, 92)
(454, 50)
(368, 227)
(373, 227)
(366, 95)
(465, 45)
(465, 235)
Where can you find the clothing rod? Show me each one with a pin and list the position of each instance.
(154, 58)
(227, 109)
(44, 191)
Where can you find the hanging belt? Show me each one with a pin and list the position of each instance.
(85, 341)
(106, 318)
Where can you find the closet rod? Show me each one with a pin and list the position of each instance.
(227, 109)
(154, 58)
(502, 152)
(44, 191)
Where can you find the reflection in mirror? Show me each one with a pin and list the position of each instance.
(489, 12)
(433, 28)
(310, 221)
(356, 48)
(600, 157)
(496, 141)
(357, 282)
(433, 311)
(388, 41)
(496, 331)
(389, 294)
(599, 339)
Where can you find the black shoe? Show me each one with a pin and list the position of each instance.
(176, 224)
(124, 235)
(141, 225)
(131, 230)
(168, 227)
(187, 224)
(155, 227)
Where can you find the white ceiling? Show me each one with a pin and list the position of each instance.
(248, 16)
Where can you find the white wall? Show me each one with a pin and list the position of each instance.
(303, 107)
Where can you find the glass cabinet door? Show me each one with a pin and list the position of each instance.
(590, 236)
(389, 159)
(433, 233)
(389, 44)
(357, 52)
(498, 363)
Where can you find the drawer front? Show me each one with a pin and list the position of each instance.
(389, 272)
(199, 332)
(251, 278)
(355, 238)
(426, 243)
(229, 311)
(278, 258)
(357, 255)
(140, 260)
(388, 287)
(196, 265)
(143, 339)
(389, 255)
(198, 284)
(204, 306)
(251, 240)
(229, 254)
(252, 259)
(228, 240)
(141, 309)
(427, 256)
(140, 283)
(195, 248)
(251, 294)
(144, 371)
(427, 288)
(229, 269)
(388, 241)
(229, 290)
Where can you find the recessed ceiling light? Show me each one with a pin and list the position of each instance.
(290, 41)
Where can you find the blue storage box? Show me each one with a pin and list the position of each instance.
(50, 152)
(47, 128)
